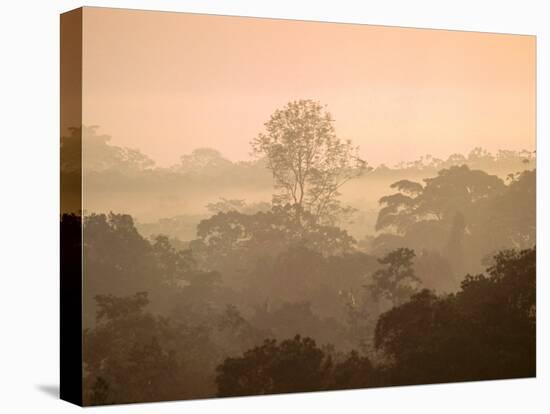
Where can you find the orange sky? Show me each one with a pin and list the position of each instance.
(167, 83)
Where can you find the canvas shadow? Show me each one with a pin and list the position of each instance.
(49, 389)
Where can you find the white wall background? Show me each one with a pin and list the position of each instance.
(29, 101)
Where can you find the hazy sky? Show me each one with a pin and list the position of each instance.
(167, 83)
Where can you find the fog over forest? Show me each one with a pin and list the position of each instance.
(303, 269)
(173, 200)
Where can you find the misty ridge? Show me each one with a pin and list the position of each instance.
(304, 269)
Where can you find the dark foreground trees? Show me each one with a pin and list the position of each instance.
(292, 365)
(136, 351)
(485, 331)
(130, 355)
(192, 344)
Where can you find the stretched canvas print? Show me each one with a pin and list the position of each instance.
(259, 206)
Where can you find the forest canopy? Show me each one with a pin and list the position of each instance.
(303, 269)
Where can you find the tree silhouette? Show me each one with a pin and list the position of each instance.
(206, 161)
(397, 281)
(234, 237)
(484, 331)
(308, 161)
(453, 190)
(293, 365)
(356, 371)
(124, 359)
(100, 155)
(462, 214)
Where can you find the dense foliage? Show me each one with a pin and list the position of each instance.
(300, 292)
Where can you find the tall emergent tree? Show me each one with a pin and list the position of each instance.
(308, 161)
